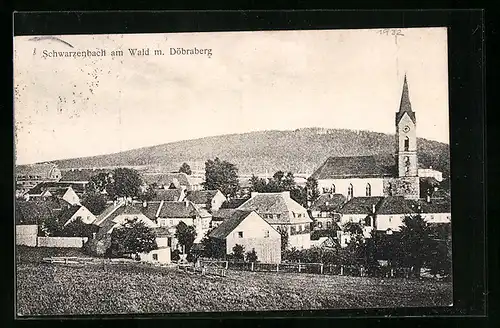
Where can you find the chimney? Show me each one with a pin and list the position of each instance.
(144, 204)
(114, 203)
(428, 198)
(326, 203)
(186, 202)
(330, 194)
(373, 208)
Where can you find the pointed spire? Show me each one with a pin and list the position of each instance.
(405, 105)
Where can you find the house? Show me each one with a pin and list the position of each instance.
(163, 253)
(211, 200)
(170, 214)
(430, 173)
(391, 212)
(75, 212)
(250, 230)
(324, 242)
(177, 180)
(28, 176)
(68, 191)
(384, 174)
(358, 208)
(34, 212)
(436, 209)
(283, 214)
(324, 210)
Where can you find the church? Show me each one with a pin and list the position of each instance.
(378, 175)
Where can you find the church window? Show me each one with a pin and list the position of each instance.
(333, 188)
(407, 143)
(368, 221)
(368, 190)
(350, 191)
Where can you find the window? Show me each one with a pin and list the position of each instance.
(368, 190)
(320, 225)
(333, 188)
(390, 219)
(266, 234)
(328, 224)
(368, 221)
(325, 190)
(350, 191)
(155, 257)
(163, 223)
(407, 143)
(240, 234)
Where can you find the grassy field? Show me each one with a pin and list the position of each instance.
(45, 289)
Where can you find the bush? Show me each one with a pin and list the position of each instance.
(238, 252)
(251, 256)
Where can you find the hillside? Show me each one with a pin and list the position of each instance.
(301, 150)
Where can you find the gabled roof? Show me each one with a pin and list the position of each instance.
(228, 225)
(67, 213)
(405, 105)
(169, 195)
(56, 187)
(276, 203)
(395, 205)
(43, 170)
(167, 179)
(184, 209)
(149, 210)
(360, 205)
(201, 196)
(328, 202)
(356, 166)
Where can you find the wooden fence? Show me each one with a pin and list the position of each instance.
(314, 268)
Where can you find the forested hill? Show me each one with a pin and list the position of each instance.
(298, 151)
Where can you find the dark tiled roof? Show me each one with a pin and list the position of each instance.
(149, 210)
(168, 179)
(201, 196)
(276, 204)
(33, 212)
(436, 206)
(233, 203)
(169, 195)
(328, 202)
(223, 214)
(228, 225)
(54, 186)
(356, 166)
(181, 210)
(66, 213)
(395, 205)
(164, 232)
(83, 175)
(360, 205)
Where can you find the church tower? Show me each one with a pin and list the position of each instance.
(406, 147)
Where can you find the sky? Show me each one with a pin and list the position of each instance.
(267, 80)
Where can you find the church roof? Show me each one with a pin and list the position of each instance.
(405, 105)
(356, 167)
(328, 202)
(360, 205)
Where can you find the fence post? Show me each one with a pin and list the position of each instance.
(277, 267)
(252, 266)
(341, 270)
(392, 272)
(361, 271)
(227, 264)
(321, 269)
(299, 267)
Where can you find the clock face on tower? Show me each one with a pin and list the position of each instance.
(406, 129)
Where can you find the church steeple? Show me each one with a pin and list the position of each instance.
(405, 104)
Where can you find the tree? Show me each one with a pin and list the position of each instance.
(98, 183)
(353, 228)
(251, 256)
(221, 175)
(238, 252)
(312, 189)
(132, 237)
(415, 241)
(185, 235)
(185, 168)
(51, 226)
(284, 238)
(125, 182)
(95, 202)
(212, 247)
(77, 228)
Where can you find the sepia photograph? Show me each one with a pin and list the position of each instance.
(232, 171)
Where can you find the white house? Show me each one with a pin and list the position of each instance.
(45, 190)
(248, 229)
(208, 199)
(282, 213)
